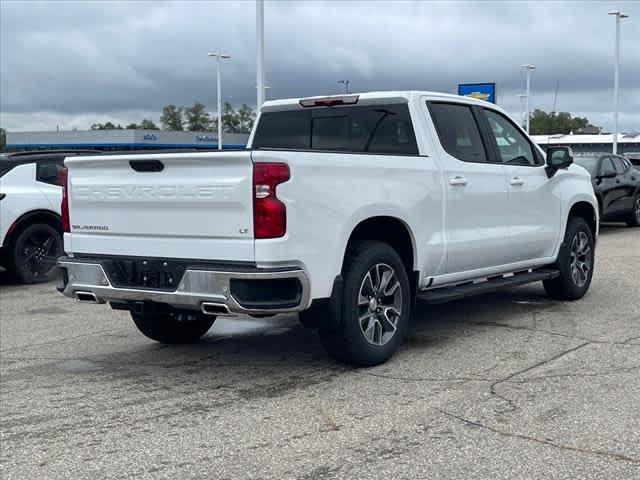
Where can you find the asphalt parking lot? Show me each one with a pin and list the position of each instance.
(508, 385)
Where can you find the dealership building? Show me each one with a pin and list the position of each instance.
(627, 142)
(123, 140)
(159, 139)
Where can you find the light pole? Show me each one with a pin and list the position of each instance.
(219, 56)
(616, 78)
(260, 52)
(522, 96)
(346, 85)
(528, 68)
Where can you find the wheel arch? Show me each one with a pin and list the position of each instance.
(586, 211)
(34, 216)
(390, 230)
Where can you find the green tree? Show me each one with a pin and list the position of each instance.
(246, 117)
(197, 118)
(106, 126)
(3, 138)
(147, 124)
(171, 118)
(230, 120)
(543, 123)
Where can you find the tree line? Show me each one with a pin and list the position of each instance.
(544, 123)
(192, 119)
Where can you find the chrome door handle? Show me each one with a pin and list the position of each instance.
(458, 181)
(516, 181)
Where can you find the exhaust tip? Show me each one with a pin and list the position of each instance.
(209, 308)
(88, 297)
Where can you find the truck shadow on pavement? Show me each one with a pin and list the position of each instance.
(250, 358)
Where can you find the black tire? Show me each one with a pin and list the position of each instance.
(173, 328)
(349, 343)
(34, 252)
(573, 282)
(634, 217)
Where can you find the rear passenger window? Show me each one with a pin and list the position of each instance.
(458, 131)
(365, 129)
(49, 172)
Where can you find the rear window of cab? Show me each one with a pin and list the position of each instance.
(381, 129)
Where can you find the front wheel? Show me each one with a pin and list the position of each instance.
(575, 262)
(634, 217)
(180, 327)
(376, 306)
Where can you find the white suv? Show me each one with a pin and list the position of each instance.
(30, 195)
(344, 209)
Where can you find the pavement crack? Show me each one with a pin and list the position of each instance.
(424, 379)
(511, 404)
(544, 441)
(618, 371)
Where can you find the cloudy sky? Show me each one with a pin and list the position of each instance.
(75, 63)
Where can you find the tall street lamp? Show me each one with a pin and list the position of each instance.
(616, 78)
(219, 56)
(260, 53)
(346, 84)
(528, 69)
(522, 96)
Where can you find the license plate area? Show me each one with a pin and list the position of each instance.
(151, 274)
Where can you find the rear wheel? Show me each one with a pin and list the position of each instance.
(376, 306)
(180, 327)
(575, 262)
(34, 253)
(634, 217)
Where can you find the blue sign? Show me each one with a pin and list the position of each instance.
(150, 136)
(480, 91)
(206, 138)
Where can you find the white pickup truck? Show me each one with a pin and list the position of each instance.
(343, 208)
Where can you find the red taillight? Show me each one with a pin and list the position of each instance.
(64, 205)
(269, 213)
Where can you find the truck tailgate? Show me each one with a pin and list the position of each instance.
(178, 205)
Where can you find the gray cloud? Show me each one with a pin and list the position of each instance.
(73, 62)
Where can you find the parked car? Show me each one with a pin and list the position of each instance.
(617, 186)
(30, 230)
(344, 209)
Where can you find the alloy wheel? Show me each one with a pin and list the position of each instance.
(637, 209)
(580, 258)
(379, 304)
(39, 252)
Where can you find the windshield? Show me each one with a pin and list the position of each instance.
(590, 163)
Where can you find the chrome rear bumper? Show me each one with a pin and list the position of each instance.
(200, 288)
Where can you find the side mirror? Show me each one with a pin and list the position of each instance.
(608, 174)
(557, 158)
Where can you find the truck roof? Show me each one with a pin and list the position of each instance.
(368, 98)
